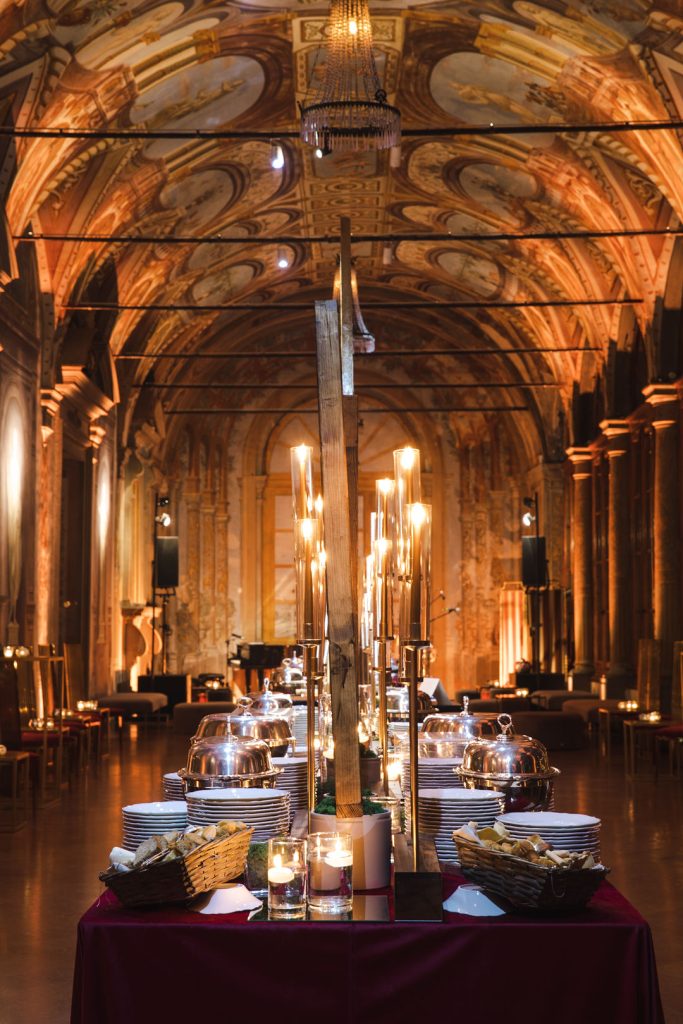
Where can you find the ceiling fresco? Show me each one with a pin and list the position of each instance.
(186, 64)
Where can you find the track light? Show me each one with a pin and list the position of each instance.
(163, 502)
(528, 518)
(164, 519)
(277, 156)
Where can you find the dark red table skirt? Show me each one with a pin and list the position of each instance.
(592, 967)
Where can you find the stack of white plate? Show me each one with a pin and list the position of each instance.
(299, 726)
(264, 810)
(575, 832)
(432, 773)
(173, 786)
(140, 821)
(442, 811)
(293, 778)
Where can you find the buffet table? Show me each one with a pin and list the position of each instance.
(174, 964)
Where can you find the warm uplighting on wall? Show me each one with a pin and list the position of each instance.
(277, 156)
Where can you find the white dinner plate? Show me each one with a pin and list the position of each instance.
(549, 819)
(158, 807)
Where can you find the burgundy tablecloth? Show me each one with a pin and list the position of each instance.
(133, 967)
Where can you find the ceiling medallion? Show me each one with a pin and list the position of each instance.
(349, 110)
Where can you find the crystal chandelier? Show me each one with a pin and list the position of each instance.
(349, 110)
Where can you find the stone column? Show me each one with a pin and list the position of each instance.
(666, 528)
(620, 674)
(582, 565)
(192, 544)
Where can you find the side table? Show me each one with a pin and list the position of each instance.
(17, 762)
(639, 736)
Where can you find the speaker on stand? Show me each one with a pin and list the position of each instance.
(166, 571)
(534, 579)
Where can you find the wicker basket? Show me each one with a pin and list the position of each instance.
(176, 881)
(525, 885)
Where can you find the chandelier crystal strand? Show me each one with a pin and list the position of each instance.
(349, 111)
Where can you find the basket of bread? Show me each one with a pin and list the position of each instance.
(528, 874)
(176, 866)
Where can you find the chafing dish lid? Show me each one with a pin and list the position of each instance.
(228, 755)
(506, 755)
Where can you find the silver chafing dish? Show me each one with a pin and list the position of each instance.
(289, 677)
(224, 761)
(398, 703)
(274, 705)
(273, 730)
(516, 765)
(446, 734)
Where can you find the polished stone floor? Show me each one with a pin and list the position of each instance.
(48, 871)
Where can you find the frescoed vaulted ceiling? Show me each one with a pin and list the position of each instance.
(179, 64)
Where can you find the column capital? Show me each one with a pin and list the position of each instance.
(664, 399)
(582, 462)
(659, 394)
(50, 400)
(618, 433)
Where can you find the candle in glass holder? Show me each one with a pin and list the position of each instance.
(306, 552)
(384, 493)
(420, 520)
(330, 871)
(407, 489)
(286, 877)
(383, 596)
(302, 481)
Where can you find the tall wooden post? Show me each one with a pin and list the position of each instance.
(340, 543)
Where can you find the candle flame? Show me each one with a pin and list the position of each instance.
(418, 513)
(277, 860)
(306, 529)
(319, 505)
(408, 457)
(302, 453)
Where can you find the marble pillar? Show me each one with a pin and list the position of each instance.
(582, 565)
(620, 675)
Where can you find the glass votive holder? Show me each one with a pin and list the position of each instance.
(330, 871)
(393, 804)
(286, 877)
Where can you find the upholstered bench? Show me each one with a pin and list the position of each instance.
(552, 700)
(555, 729)
(131, 703)
(186, 717)
(498, 705)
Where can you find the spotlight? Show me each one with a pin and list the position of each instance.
(282, 259)
(277, 157)
(164, 519)
(163, 502)
(528, 518)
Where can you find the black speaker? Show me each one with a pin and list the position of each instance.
(167, 562)
(533, 561)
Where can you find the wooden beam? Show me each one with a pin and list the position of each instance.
(342, 613)
(345, 306)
